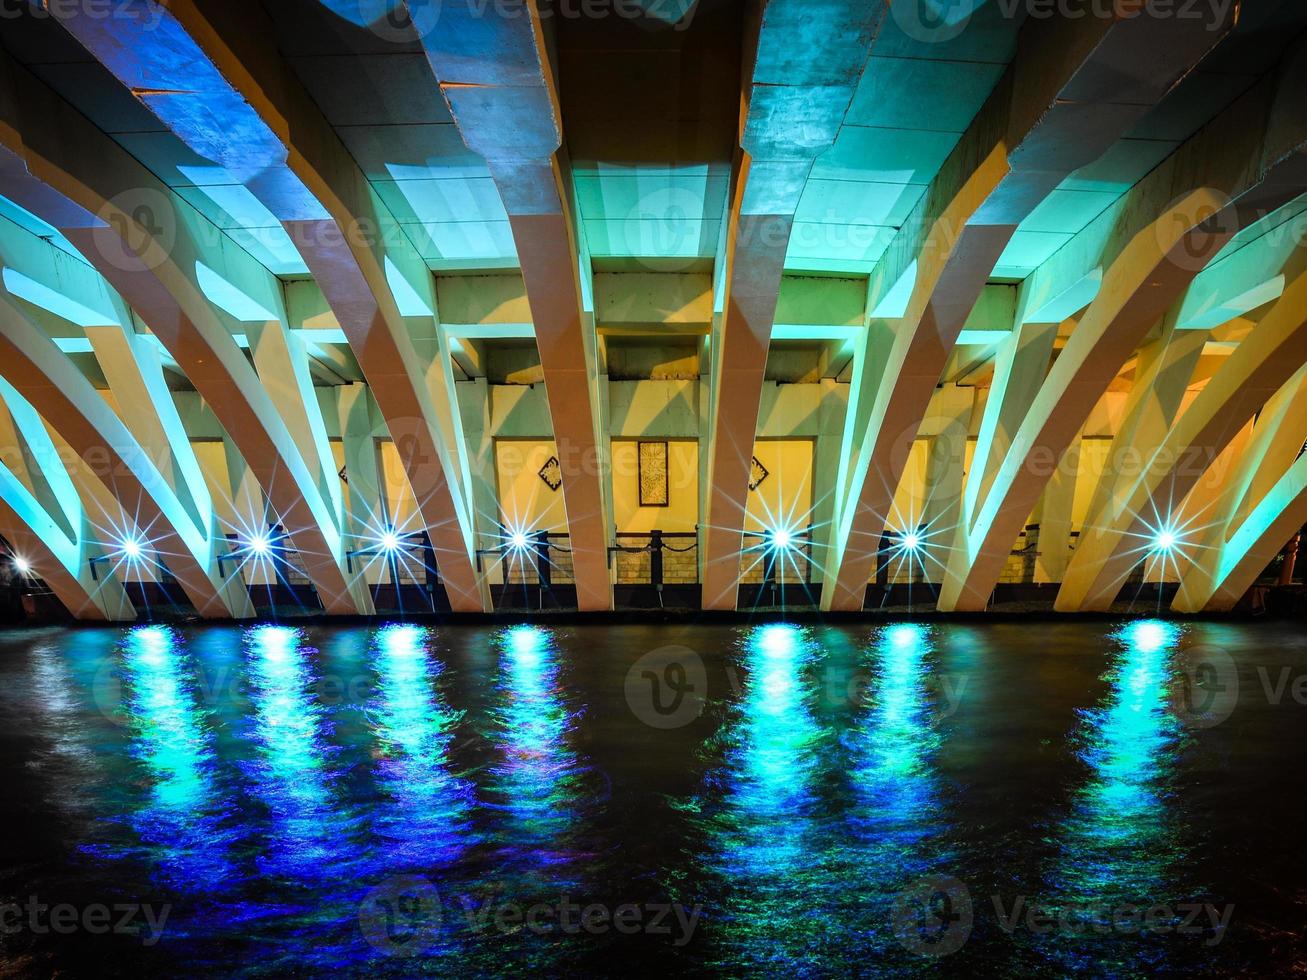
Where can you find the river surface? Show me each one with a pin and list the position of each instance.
(883, 800)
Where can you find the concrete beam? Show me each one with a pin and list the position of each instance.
(808, 62)
(1248, 379)
(1163, 373)
(55, 388)
(207, 70)
(1244, 164)
(1263, 504)
(1062, 103)
(43, 520)
(148, 244)
(494, 72)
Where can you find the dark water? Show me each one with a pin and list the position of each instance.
(770, 800)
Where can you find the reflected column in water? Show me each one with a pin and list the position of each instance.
(423, 819)
(896, 797)
(309, 841)
(537, 783)
(761, 812)
(1121, 843)
(183, 820)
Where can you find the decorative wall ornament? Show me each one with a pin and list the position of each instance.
(552, 473)
(757, 474)
(653, 474)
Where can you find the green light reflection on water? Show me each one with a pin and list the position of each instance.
(765, 848)
(1120, 845)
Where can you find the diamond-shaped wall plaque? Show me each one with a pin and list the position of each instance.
(552, 473)
(757, 473)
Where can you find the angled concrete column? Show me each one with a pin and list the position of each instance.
(1263, 504)
(150, 245)
(950, 418)
(808, 63)
(43, 520)
(1257, 369)
(134, 371)
(1055, 513)
(1164, 370)
(283, 368)
(1062, 103)
(45, 377)
(359, 430)
(496, 76)
(1019, 369)
(740, 359)
(1151, 245)
(210, 68)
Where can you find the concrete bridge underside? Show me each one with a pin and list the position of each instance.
(749, 301)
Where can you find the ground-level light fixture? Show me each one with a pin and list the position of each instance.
(259, 545)
(780, 539)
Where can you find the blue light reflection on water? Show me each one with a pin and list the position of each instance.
(535, 783)
(423, 819)
(815, 810)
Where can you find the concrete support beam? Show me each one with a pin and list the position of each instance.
(1054, 516)
(1151, 245)
(1248, 379)
(1263, 504)
(43, 520)
(148, 245)
(1062, 103)
(495, 74)
(809, 61)
(1020, 366)
(1162, 376)
(55, 388)
(282, 362)
(207, 69)
(950, 418)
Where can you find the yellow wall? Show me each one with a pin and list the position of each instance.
(524, 499)
(910, 500)
(401, 506)
(786, 495)
(681, 513)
